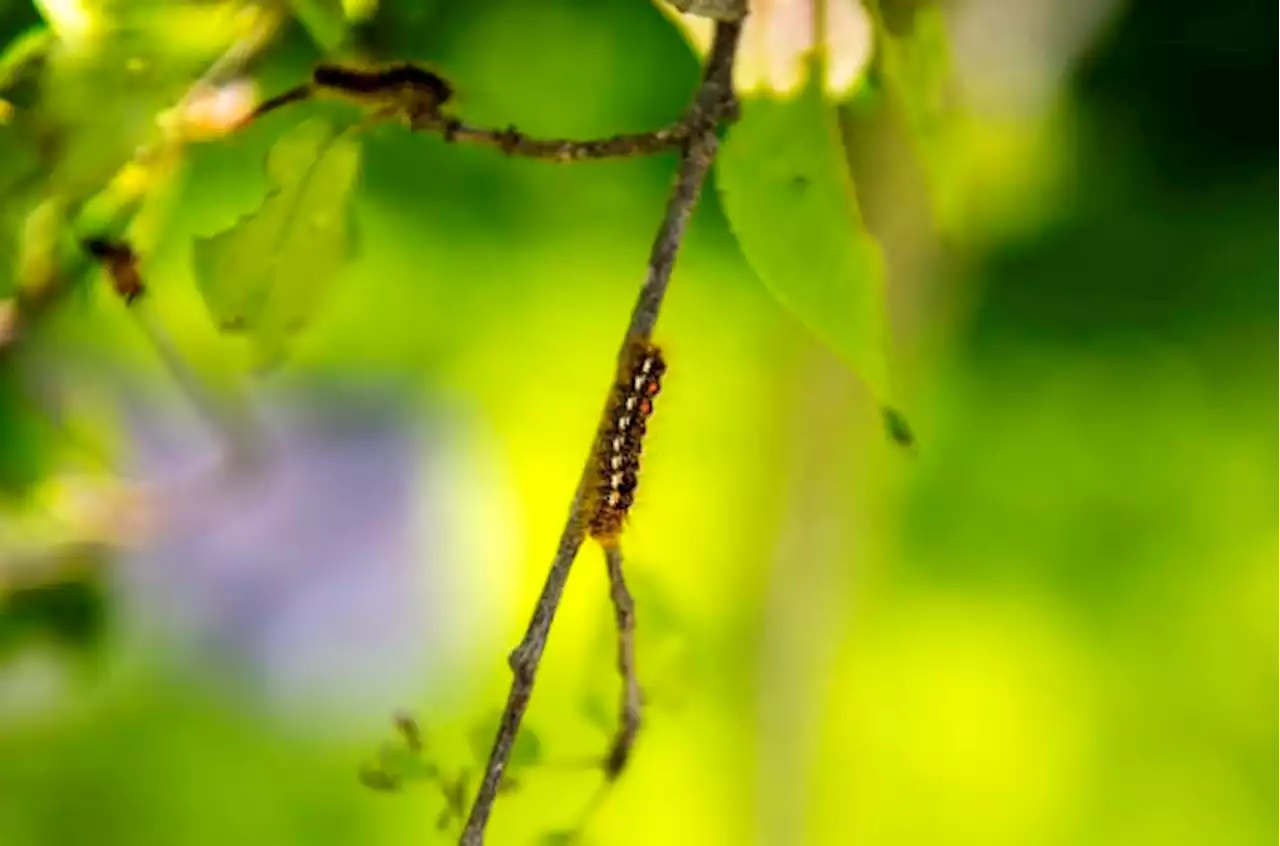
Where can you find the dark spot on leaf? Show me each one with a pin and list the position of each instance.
(375, 778)
(896, 426)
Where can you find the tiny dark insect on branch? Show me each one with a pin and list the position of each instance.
(121, 264)
(238, 433)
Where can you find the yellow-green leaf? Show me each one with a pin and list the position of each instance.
(786, 189)
(526, 749)
(267, 274)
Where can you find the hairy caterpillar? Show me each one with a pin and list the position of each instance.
(402, 88)
(617, 457)
(394, 79)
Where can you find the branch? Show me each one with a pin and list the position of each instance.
(713, 103)
(413, 94)
(514, 143)
(624, 610)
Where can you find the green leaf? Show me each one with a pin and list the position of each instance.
(404, 764)
(266, 275)
(455, 792)
(914, 56)
(27, 49)
(564, 837)
(525, 751)
(410, 732)
(786, 190)
(593, 707)
(377, 779)
(324, 20)
(25, 441)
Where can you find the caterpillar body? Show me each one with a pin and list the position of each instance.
(618, 448)
(392, 79)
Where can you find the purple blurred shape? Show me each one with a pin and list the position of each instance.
(306, 579)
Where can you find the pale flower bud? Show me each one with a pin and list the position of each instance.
(780, 36)
(214, 111)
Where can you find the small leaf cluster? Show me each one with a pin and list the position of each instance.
(407, 759)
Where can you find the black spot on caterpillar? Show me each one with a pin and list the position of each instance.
(617, 457)
(121, 263)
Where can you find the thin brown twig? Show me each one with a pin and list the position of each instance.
(713, 103)
(424, 115)
(515, 143)
(624, 610)
(511, 140)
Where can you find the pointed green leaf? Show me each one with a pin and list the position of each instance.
(410, 732)
(526, 750)
(403, 764)
(597, 712)
(480, 738)
(786, 190)
(378, 779)
(324, 20)
(560, 837)
(266, 275)
(27, 49)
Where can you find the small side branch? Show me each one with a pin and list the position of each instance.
(515, 143)
(714, 103)
(629, 711)
(415, 95)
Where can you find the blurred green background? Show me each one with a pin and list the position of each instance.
(1053, 623)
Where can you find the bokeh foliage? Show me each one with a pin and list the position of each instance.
(1054, 625)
